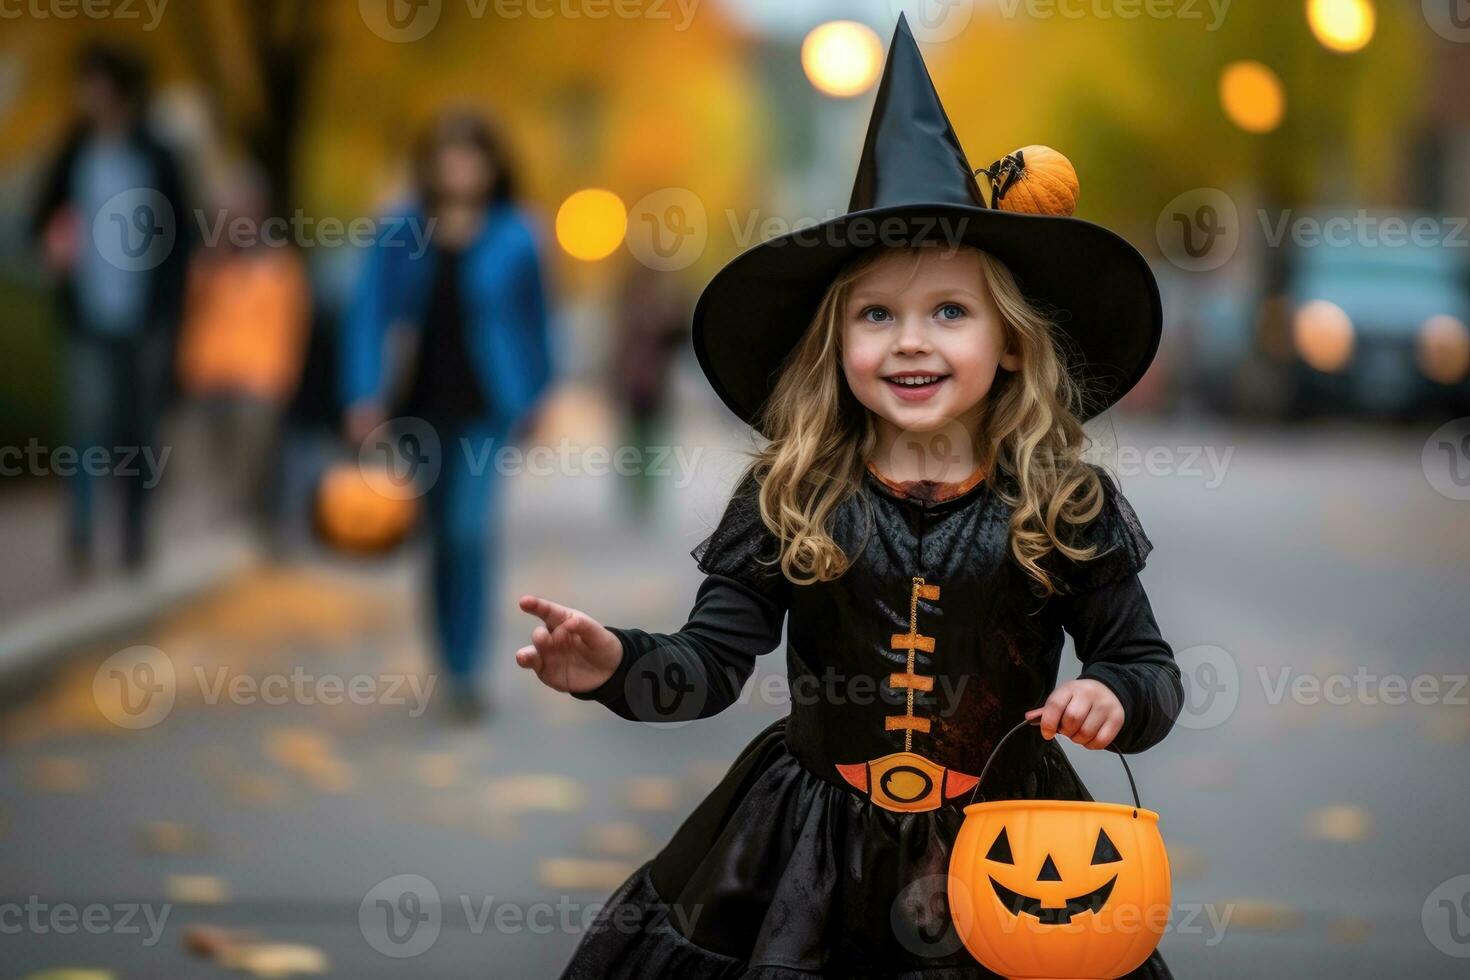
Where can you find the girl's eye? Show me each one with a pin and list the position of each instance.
(876, 314)
(951, 311)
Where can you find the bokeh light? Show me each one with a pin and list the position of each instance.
(1323, 334)
(1442, 349)
(842, 57)
(1342, 25)
(1252, 96)
(591, 223)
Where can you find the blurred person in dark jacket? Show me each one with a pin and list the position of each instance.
(112, 227)
(474, 305)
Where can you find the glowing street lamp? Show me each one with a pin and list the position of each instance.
(842, 57)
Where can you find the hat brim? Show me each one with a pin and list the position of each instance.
(1096, 285)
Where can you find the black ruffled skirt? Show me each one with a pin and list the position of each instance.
(781, 875)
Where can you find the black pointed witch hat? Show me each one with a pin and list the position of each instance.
(914, 184)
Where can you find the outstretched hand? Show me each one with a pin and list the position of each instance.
(1085, 711)
(570, 651)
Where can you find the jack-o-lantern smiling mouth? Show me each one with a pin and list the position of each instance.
(1093, 901)
(1103, 852)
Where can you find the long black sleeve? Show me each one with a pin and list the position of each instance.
(1118, 641)
(700, 670)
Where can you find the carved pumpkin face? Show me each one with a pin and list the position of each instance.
(352, 516)
(1052, 888)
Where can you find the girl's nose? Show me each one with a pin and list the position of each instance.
(912, 337)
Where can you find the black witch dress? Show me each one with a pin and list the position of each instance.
(824, 849)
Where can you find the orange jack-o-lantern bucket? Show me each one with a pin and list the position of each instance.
(1057, 889)
(352, 515)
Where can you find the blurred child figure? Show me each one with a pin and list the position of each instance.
(653, 319)
(474, 306)
(243, 341)
(111, 225)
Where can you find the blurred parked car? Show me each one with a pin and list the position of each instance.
(1372, 325)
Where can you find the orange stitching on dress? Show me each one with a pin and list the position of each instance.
(912, 641)
(918, 682)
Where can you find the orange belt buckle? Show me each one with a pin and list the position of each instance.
(906, 782)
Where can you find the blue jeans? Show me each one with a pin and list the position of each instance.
(115, 394)
(462, 512)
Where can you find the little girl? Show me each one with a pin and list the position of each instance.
(923, 522)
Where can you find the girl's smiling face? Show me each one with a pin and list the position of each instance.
(921, 345)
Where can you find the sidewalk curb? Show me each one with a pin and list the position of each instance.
(29, 643)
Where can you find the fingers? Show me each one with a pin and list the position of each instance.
(1089, 722)
(1088, 730)
(529, 658)
(1110, 730)
(551, 613)
(1051, 712)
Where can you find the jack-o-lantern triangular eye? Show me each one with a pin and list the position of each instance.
(1000, 851)
(1105, 852)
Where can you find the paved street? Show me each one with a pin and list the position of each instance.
(1305, 835)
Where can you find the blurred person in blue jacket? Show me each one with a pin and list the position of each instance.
(459, 275)
(113, 229)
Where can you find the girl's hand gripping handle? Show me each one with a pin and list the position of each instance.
(570, 651)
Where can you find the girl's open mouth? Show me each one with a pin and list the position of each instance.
(913, 386)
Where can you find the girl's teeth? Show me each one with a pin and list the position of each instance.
(926, 379)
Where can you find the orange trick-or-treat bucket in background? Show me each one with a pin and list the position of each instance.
(1059, 889)
(353, 516)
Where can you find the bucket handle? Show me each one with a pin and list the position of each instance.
(1037, 721)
